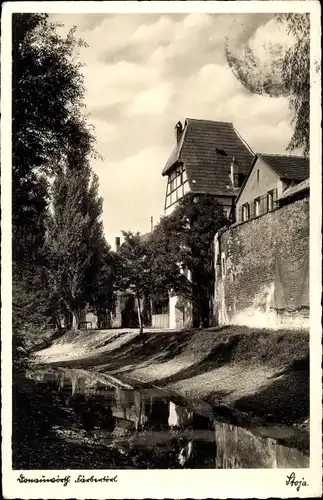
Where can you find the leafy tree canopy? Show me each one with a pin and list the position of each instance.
(75, 244)
(134, 273)
(48, 123)
(181, 250)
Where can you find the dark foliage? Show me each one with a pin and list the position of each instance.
(182, 252)
(47, 96)
(134, 272)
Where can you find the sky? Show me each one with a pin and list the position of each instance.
(145, 72)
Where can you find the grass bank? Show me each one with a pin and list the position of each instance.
(259, 372)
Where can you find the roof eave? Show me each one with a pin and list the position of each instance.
(303, 192)
(177, 153)
(170, 167)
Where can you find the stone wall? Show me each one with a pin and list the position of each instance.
(246, 256)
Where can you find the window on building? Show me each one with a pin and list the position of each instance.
(245, 212)
(257, 207)
(270, 200)
(220, 152)
(257, 176)
(223, 263)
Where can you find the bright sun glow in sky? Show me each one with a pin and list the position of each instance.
(143, 73)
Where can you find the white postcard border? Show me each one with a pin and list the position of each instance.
(236, 483)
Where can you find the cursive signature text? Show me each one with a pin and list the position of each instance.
(297, 483)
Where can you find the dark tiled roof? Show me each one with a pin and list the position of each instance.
(201, 149)
(292, 191)
(287, 167)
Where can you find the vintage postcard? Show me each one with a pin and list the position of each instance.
(161, 249)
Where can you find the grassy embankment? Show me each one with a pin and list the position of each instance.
(264, 373)
(258, 374)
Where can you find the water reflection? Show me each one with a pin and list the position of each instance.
(145, 423)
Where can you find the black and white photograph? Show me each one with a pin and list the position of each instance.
(159, 251)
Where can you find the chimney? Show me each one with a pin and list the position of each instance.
(178, 131)
(117, 243)
(151, 223)
(234, 174)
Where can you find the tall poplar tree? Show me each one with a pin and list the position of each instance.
(75, 240)
(47, 117)
(47, 103)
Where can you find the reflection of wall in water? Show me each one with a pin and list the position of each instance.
(238, 448)
(145, 410)
(158, 418)
(179, 416)
(200, 450)
(199, 453)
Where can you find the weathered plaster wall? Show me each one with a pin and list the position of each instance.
(246, 267)
(180, 313)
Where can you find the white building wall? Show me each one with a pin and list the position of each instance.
(261, 180)
(172, 312)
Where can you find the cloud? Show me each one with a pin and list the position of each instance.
(152, 101)
(134, 35)
(266, 137)
(157, 33)
(112, 84)
(145, 72)
(82, 21)
(105, 132)
(268, 36)
(132, 191)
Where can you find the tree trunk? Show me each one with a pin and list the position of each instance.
(109, 320)
(76, 320)
(57, 321)
(66, 320)
(141, 328)
(211, 309)
(102, 319)
(196, 308)
(204, 308)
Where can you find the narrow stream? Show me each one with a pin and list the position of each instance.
(145, 422)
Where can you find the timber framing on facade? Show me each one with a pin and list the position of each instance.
(209, 157)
